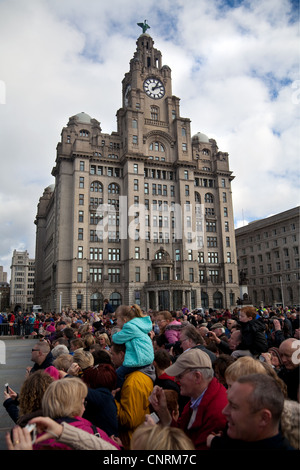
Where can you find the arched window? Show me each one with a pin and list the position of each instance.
(96, 187)
(156, 147)
(209, 198)
(115, 299)
(162, 254)
(113, 188)
(197, 197)
(84, 133)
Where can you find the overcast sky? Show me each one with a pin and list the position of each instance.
(235, 66)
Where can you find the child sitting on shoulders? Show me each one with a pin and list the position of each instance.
(135, 327)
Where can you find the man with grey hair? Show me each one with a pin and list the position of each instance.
(202, 415)
(253, 413)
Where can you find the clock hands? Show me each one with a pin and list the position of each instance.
(158, 84)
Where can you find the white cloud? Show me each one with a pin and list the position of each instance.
(233, 68)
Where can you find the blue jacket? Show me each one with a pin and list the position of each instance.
(139, 347)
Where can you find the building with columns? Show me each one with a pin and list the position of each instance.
(142, 215)
(268, 259)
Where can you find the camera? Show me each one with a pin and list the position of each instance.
(6, 388)
(31, 428)
(154, 417)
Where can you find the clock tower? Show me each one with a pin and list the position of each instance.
(149, 106)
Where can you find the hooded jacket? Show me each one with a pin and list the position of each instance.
(134, 402)
(253, 336)
(139, 347)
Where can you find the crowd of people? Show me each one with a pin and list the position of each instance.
(136, 380)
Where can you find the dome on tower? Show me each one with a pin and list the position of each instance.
(200, 138)
(83, 117)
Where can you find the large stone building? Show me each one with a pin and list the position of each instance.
(142, 215)
(22, 281)
(268, 259)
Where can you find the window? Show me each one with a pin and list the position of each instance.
(212, 241)
(156, 147)
(79, 274)
(113, 188)
(80, 216)
(80, 234)
(209, 198)
(134, 123)
(114, 274)
(81, 199)
(184, 147)
(186, 174)
(214, 275)
(187, 190)
(228, 257)
(114, 254)
(135, 168)
(81, 166)
(213, 257)
(211, 226)
(146, 188)
(79, 299)
(96, 187)
(95, 274)
(80, 252)
(191, 274)
(136, 185)
(137, 252)
(84, 133)
(81, 181)
(137, 274)
(96, 253)
(135, 139)
(154, 113)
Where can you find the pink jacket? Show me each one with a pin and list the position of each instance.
(172, 331)
(77, 422)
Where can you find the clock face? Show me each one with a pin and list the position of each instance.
(154, 88)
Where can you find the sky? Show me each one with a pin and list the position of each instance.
(235, 67)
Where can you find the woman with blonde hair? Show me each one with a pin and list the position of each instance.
(104, 341)
(64, 401)
(157, 437)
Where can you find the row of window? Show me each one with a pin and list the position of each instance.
(160, 274)
(114, 254)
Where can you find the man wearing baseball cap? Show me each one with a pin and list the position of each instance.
(202, 415)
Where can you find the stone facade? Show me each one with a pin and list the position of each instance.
(22, 281)
(142, 215)
(268, 259)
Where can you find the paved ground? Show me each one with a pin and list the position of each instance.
(15, 357)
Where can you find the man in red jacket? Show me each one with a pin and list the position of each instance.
(202, 415)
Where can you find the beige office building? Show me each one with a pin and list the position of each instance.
(268, 259)
(142, 215)
(22, 281)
